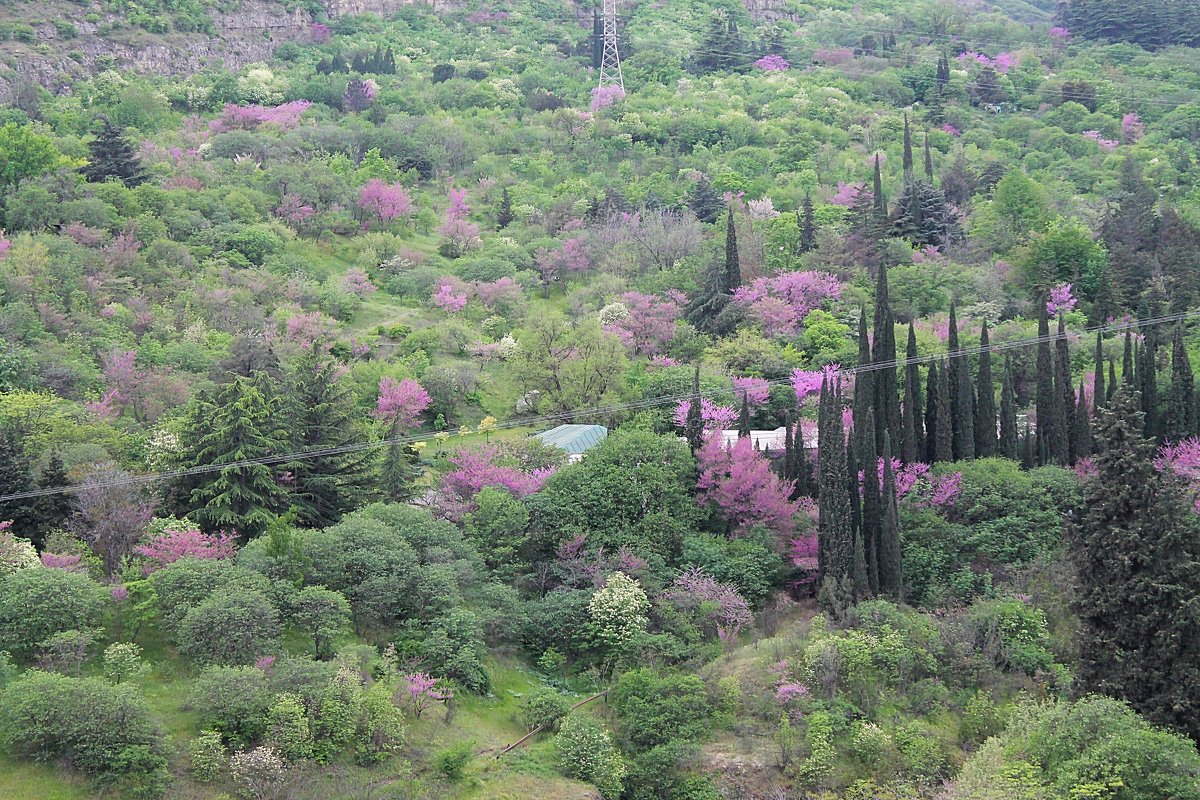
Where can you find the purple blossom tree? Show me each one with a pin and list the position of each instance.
(176, 543)
(713, 416)
(807, 383)
(779, 303)
(605, 96)
(772, 63)
(1132, 128)
(401, 403)
(446, 298)
(741, 483)
(476, 468)
(1061, 300)
(720, 604)
(649, 323)
(756, 391)
(1183, 460)
(358, 282)
(385, 201)
(419, 691)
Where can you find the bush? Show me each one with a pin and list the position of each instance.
(207, 757)
(233, 701)
(658, 709)
(453, 761)
(287, 730)
(586, 753)
(186, 583)
(922, 754)
(323, 614)
(544, 707)
(36, 604)
(104, 731)
(236, 626)
(123, 662)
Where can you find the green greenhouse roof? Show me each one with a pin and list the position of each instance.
(573, 438)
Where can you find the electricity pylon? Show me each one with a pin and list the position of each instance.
(610, 59)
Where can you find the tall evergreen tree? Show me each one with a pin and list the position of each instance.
(1081, 429)
(908, 150)
(859, 582)
(733, 265)
(944, 435)
(932, 413)
(868, 460)
(883, 355)
(928, 160)
(1136, 549)
(694, 428)
(1047, 402)
(1030, 454)
(1064, 385)
(963, 402)
(985, 408)
(835, 527)
(912, 429)
(15, 478)
(951, 375)
(743, 427)
(1180, 420)
(1098, 393)
(323, 419)
(239, 422)
(807, 225)
(708, 311)
(52, 510)
(881, 208)
(704, 201)
(865, 392)
(1112, 381)
(1008, 415)
(1127, 361)
(110, 155)
(891, 579)
(504, 213)
(1147, 371)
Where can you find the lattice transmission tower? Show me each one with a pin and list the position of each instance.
(610, 59)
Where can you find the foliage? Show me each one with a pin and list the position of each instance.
(36, 604)
(454, 760)
(544, 707)
(585, 752)
(234, 626)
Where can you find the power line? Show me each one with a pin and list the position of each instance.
(635, 405)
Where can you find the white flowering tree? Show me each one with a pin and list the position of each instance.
(618, 611)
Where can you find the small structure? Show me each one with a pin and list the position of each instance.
(575, 440)
(773, 441)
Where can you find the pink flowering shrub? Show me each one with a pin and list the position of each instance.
(740, 482)
(1183, 460)
(1132, 128)
(569, 258)
(772, 63)
(807, 383)
(950, 129)
(847, 194)
(605, 96)
(357, 282)
(1060, 34)
(650, 323)
(781, 302)
(419, 691)
(756, 391)
(720, 604)
(385, 201)
(400, 402)
(5, 245)
(476, 468)
(712, 416)
(247, 118)
(833, 56)
(309, 327)
(172, 545)
(294, 210)
(1061, 300)
(64, 561)
(500, 294)
(1107, 145)
(446, 298)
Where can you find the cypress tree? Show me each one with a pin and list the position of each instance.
(1046, 401)
(952, 374)
(835, 526)
(891, 581)
(944, 435)
(789, 450)
(1098, 394)
(1081, 430)
(1148, 377)
(928, 160)
(1112, 381)
(110, 155)
(803, 473)
(985, 408)
(323, 417)
(1180, 421)
(931, 413)
(597, 39)
(1127, 360)
(743, 428)
(964, 433)
(864, 381)
(733, 269)
(52, 510)
(694, 426)
(908, 151)
(1029, 453)
(912, 429)
(504, 214)
(806, 222)
(1062, 382)
(858, 573)
(881, 211)
(868, 460)
(1008, 415)
(1135, 550)
(887, 395)
(239, 422)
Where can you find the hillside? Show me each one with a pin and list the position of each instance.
(886, 309)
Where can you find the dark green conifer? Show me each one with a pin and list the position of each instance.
(704, 201)
(1147, 371)
(1180, 419)
(985, 408)
(952, 374)
(1047, 402)
(52, 510)
(908, 150)
(1030, 449)
(1112, 381)
(944, 434)
(1135, 550)
(1098, 393)
(110, 155)
(694, 427)
(1066, 390)
(931, 412)
(883, 355)
(743, 427)
(868, 459)
(1127, 361)
(806, 222)
(733, 265)
(504, 213)
(891, 580)
(1008, 445)
(1081, 430)
(15, 478)
(835, 526)
(881, 210)
(928, 160)
(912, 428)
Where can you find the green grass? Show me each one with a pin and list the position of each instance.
(23, 780)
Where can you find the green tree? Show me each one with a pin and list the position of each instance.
(891, 580)
(574, 364)
(1136, 550)
(24, 154)
(110, 155)
(323, 614)
(1180, 420)
(323, 419)
(36, 604)
(586, 753)
(234, 626)
(238, 423)
(287, 728)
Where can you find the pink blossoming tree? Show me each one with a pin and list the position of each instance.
(720, 605)
(740, 482)
(649, 323)
(187, 542)
(401, 403)
(385, 201)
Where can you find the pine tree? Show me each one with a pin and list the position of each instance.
(985, 407)
(1062, 382)
(912, 432)
(733, 269)
(743, 427)
(110, 155)
(931, 412)
(694, 429)
(238, 423)
(52, 510)
(1180, 419)
(1008, 415)
(891, 577)
(323, 418)
(704, 201)
(944, 435)
(806, 222)
(504, 213)
(1098, 394)
(1136, 550)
